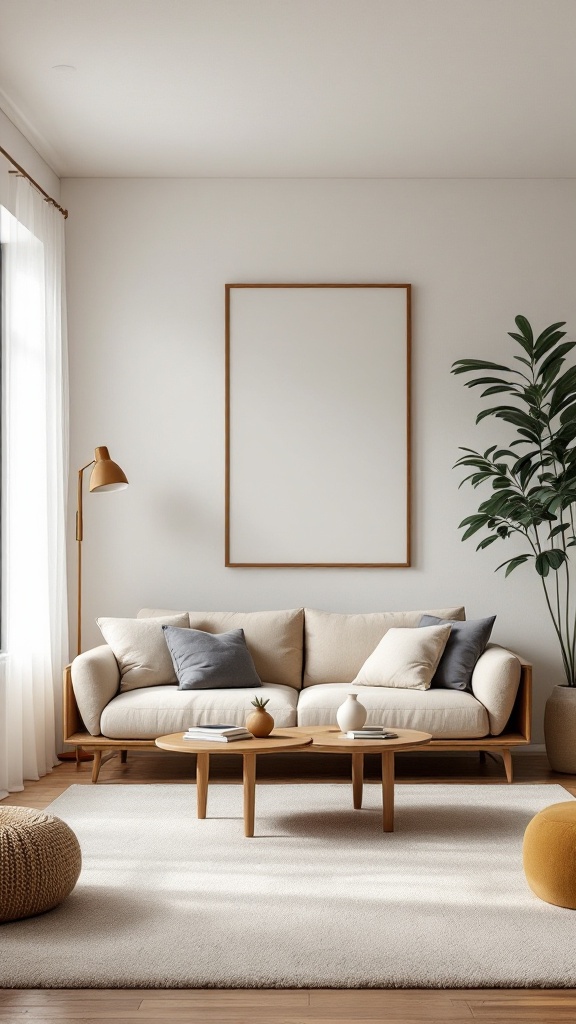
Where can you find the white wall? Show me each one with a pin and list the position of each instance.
(147, 264)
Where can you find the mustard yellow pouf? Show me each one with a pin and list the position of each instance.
(549, 854)
(40, 861)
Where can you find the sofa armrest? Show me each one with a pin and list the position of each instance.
(495, 682)
(95, 680)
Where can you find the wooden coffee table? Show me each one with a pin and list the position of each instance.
(331, 740)
(279, 740)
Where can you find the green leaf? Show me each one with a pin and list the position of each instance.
(532, 435)
(557, 530)
(495, 505)
(527, 425)
(497, 389)
(474, 527)
(486, 542)
(564, 391)
(560, 352)
(471, 519)
(556, 557)
(525, 460)
(550, 343)
(524, 327)
(520, 440)
(549, 377)
(466, 365)
(569, 412)
(526, 345)
(548, 338)
(551, 559)
(473, 478)
(487, 380)
(513, 563)
(542, 566)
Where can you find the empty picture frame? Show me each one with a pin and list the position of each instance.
(317, 425)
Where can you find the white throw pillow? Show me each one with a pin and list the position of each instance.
(405, 657)
(140, 649)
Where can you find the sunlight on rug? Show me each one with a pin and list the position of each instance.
(320, 897)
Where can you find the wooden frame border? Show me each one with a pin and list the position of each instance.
(321, 565)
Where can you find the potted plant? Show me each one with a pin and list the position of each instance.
(260, 723)
(532, 478)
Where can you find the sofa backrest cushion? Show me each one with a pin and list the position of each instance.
(274, 639)
(337, 645)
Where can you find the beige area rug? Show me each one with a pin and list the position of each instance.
(321, 897)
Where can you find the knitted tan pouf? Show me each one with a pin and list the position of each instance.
(40, 861)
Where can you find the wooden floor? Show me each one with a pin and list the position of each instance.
(302, 1006)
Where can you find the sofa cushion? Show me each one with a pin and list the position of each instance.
(274, 639)
(159, 710)
(447, 714)
(140, 649)
(406, 658)
(495, 682)
(466, 643)
(337, 645)
(207, 661)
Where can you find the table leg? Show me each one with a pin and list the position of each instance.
(249, 793)
(357, 779)
(202, 775)
(388, 790)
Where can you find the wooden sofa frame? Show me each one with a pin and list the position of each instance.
(517, 733)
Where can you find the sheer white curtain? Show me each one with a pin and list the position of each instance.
(35, 461)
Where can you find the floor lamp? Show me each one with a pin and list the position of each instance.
(106, 476)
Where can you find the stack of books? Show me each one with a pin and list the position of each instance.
(371, 732)
(219, 733)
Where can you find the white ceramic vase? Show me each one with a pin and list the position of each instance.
(351, 714)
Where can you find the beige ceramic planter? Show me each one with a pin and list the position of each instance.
(560, 729)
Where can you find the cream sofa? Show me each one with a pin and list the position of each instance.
(306, 659)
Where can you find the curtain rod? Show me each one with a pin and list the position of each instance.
(21, 170)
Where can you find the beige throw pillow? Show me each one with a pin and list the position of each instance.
(140, 649)
(405, 657)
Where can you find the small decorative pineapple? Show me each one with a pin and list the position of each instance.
(260, 723)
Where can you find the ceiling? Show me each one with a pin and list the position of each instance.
(294, 88)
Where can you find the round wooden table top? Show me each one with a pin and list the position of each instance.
(330, 739)
(277, 740)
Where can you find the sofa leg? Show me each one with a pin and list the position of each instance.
(123, 756)
(482, 756)
(96, 765)
(507, 758)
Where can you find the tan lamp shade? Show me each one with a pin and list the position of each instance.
(106, 475)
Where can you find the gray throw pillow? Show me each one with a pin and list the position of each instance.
(210, 661)
(466, 643)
